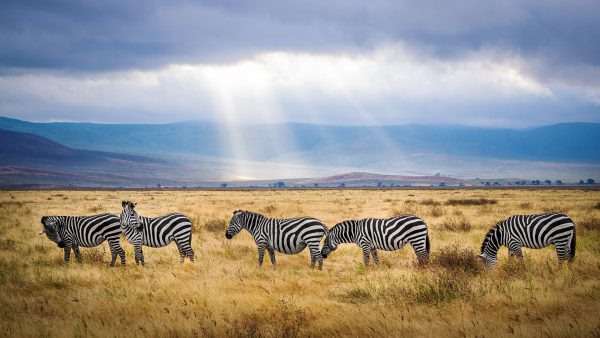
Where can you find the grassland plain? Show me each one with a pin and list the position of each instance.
(224, 293)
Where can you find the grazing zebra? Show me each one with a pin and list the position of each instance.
(388, 234)
(156, 232)
(530, 231)
(71, 232)
(288, 236)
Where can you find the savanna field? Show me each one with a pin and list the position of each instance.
(224, 293)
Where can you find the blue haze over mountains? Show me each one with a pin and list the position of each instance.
(204, 151)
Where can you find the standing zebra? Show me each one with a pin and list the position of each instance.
(71, 232)
(156, 232)
(288, 236)
(388, 234)
(530, 231)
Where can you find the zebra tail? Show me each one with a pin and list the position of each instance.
(573, 245)
(427, 244)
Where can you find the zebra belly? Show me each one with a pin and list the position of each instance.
(95, 241)
(396, 246)
(292, 249)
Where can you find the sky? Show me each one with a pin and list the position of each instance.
(483, 63)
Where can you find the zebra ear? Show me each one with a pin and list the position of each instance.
(123, 204)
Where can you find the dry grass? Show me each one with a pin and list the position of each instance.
(224, 294)
(471, 201)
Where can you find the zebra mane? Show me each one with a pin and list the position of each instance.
(251, 213)
(128, 203)
(489, 234)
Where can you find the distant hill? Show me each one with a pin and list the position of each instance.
(27, 159)
(564, 151)
(28, 149)
(561, 142)
(370, 179)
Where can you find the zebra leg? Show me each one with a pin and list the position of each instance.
(261, 254)
(375, 256)
(190, 253)
(272, 256)
(77, 253)
(366, 255)
(67, 253)
(315, 255)
(181, 250)
(139, 254)
(514, 249)
(116, 249)
(562, 251)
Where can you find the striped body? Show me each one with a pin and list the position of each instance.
(288, 236)
(156, 232)
(71, 232)
(530, 231)
(388, 234)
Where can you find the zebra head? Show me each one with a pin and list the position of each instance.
(129, 217)
(328, 247)
(332, 240)
(235, 224)
(52, 230)
(489, 248)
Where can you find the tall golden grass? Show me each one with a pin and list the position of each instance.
(224, 293)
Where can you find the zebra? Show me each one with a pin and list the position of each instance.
(530, 231)
(156, 232)
(71, 232)
(388, 234)
(288, 236)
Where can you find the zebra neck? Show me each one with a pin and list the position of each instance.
(495, 240)
(252, 224)
(347, 232)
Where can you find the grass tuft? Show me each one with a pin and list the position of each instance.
(457, 259)
(215, 225)
(457, 224)
(471, 201)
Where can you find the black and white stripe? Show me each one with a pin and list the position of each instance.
(71, 232)
(388, 234)
(156, 232)
(288, 236)
(530, 231)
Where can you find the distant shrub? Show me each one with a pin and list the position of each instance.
(457, 224)
(283, 320)
(269, 209)
(597, 206)
(7, 244)
(429, 201)
(590, 223)
(95, 208)
(442, 287)
(436, 211)
(471, 201)
(454, 258)
(356, 294)
(525, 205)
(215, 224)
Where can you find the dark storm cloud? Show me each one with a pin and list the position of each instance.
(108, 35)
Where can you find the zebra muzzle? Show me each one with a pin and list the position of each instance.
(41, 232)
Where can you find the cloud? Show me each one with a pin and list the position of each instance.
(389, 85)
(470, 62)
